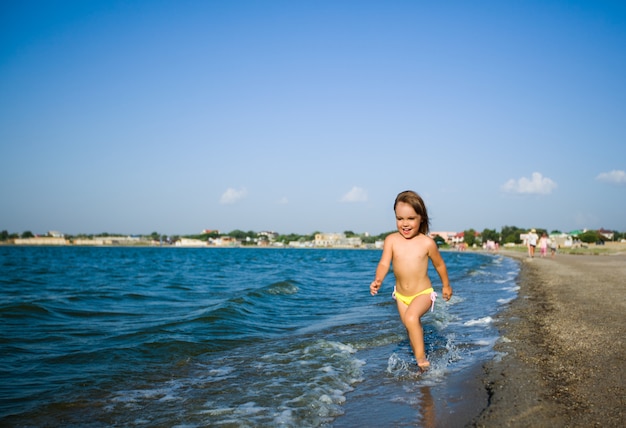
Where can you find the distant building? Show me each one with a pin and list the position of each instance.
(41, 240)
(336, 240)
(561, 239)
(108, 240)
(328, 239)
(447, 236)
(225, 241)
(187, 242)
(458, 238)
(608, 234)
(270, 235)
(300, 244)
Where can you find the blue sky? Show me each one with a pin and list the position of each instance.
(302, 116)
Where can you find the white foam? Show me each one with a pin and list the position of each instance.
(480, 321)
(397, 366)
(249, 408)
(499, 355)
(218, 411)
(169, 397)
(285, 418)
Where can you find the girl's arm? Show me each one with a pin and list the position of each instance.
(442, 270)
(383, 267)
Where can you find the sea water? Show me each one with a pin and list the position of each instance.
(237, 337)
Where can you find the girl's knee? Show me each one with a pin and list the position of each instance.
(412, 319)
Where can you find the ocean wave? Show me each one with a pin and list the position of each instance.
(239, 337)
(302, 385)
(23, 310)
(480, 321)
(281, 288)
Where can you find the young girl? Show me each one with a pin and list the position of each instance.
(409, 250)
(543, 244)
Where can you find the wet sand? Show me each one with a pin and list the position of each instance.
(562, 342)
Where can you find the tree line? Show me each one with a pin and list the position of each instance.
(507, 235)
(511, 235)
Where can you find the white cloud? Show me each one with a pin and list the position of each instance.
(230, 196)
(614, 177)
(283, 201)
(356, 194)
(537, 184)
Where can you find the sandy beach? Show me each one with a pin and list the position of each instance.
(562, 342)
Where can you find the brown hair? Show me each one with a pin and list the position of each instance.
(416, 201)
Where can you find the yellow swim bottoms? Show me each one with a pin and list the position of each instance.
(408, 299)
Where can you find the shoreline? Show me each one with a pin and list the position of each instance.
(561, 345)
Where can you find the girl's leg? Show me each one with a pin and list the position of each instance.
(410, 316)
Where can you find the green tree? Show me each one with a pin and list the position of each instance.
(211, 235)
(511, 234)
(285, 239)
(469, 237)
(27, 234)
(590, 236)
(439, 241)
(311, 237)
(369, 239)
(237, 234)
(490, 235)
(4, 235)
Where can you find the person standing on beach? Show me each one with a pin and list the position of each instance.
(532, 242)
(543, 244)
(409, 250)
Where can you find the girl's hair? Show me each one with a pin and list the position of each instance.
(416, 201)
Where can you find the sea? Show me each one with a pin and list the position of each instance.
(233, 337)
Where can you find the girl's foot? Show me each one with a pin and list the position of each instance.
(423, 364)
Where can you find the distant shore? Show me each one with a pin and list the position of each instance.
(518, 250)
(562, 342)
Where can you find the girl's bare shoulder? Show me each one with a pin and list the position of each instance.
(430, 245)
(392, 237)
(428, 239)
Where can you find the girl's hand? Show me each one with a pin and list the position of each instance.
(446, 292)
(374, 286)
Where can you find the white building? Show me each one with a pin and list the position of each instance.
(187, 242)
(336, 240)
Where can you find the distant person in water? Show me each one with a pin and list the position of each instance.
(409, 250)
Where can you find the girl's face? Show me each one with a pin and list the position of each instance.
(407, 220)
